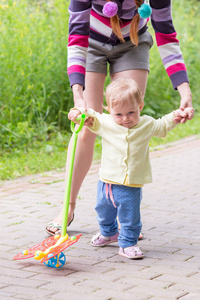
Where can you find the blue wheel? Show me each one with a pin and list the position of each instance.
(48, 262)
(57, 261)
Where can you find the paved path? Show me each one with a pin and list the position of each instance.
(171, 225)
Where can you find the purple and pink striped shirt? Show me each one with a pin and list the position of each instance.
(87, 20)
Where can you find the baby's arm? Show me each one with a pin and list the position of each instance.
(169, 121)
(180, 115)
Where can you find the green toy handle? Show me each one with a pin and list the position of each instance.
(79, 118)
(70, 172)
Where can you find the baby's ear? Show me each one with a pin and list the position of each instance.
(141, 106)
(106, 108)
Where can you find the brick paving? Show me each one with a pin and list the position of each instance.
(171, 225)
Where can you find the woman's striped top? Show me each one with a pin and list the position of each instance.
(87, 20)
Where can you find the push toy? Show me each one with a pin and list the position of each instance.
(50, 250)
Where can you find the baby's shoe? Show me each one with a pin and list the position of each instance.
(99, 240)
(132, 252)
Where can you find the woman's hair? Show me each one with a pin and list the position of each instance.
(115, 24)
(122, 91)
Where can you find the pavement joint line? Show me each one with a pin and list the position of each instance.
(155, 277)
(182, 295)
(170, 269)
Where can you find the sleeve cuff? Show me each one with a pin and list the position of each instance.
(77, 78)
(178, 78)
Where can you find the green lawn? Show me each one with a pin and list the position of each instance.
(52, 155)
(35, 94)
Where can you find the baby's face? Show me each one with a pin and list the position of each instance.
(128, 115)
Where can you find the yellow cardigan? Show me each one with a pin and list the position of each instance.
(125, 152)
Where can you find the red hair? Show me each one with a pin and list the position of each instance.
(115, 24)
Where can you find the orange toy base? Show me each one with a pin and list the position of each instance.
(49, 242)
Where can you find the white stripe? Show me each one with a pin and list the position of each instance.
(100, 27)
(107, 31)
(168, 49)
(77, 51)
(77, 63)
(80, 51)
(174, 62)
(125, 30)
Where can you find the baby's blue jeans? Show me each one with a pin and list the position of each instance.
(122, 201)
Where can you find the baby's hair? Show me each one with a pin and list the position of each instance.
(122, 91)
(115, 24)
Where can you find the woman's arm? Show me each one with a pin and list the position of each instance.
(186, 101)
(79, 101)
(168, 44)
(79, 30)
(170, 52)
(186, 95)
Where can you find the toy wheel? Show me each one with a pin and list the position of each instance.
(47, 263)
(57, 261)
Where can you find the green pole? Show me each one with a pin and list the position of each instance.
(70, 173)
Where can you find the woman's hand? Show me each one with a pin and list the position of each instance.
(180, 116)
(186, 101)
(79, 101)
(73, 114)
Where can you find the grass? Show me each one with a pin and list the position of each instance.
(52, 155)
(42, 156)
(190, 128)
(34, 88)
(31, 162)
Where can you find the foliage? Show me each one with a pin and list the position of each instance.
(34, 88)
(32, 160)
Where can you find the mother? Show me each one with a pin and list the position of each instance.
(97, 38)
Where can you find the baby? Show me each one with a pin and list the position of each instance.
(125, 165)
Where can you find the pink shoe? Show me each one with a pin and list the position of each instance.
(99, 240)
(132, 252)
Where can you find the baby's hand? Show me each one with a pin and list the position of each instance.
(181, 116)
(189, 112)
